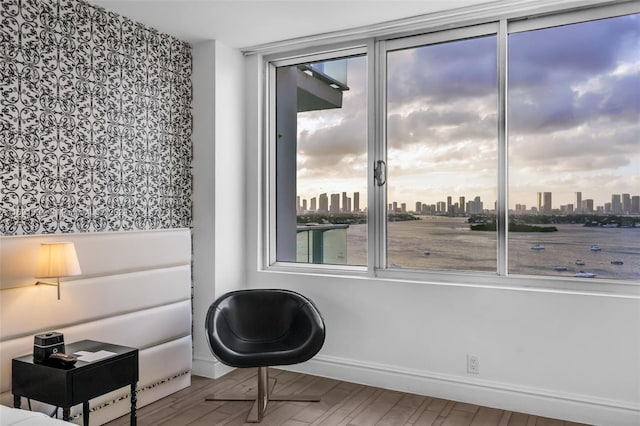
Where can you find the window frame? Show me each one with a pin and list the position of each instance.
(422, 40)
(375, 43)
(334, 52)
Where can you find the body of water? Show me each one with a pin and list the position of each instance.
(452, 246)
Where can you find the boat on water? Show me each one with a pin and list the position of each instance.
(595, 247)
(617, 262)
(537, 247)
(580, 262)
(559, 268)
(427, 252)
(583, 274)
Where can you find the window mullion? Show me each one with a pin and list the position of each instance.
(502, 214)
(378, 151)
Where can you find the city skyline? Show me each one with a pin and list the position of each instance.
(622, 203)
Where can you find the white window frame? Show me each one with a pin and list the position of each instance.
(499, 19)
(456, 34)
(334, 52)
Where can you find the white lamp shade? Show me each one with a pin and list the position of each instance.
(57, 260)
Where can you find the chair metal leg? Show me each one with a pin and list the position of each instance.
(264, 395)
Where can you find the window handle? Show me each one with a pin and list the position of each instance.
(380, 172)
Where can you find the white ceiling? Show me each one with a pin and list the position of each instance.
(246, 23)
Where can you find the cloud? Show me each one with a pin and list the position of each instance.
(574, 112)
(443, 72)
(556, 55)
(574, 103)
(565, 77)
(440, 127)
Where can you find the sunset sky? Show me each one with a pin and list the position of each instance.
(574, 120)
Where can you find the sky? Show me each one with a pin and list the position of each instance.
(574, 120)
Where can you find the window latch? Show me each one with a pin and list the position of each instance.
(380, 172)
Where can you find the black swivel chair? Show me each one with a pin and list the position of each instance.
(262, 328)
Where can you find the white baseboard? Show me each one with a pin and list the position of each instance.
(211, 368)
(506, 396)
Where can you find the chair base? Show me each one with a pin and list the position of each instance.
(263, 397)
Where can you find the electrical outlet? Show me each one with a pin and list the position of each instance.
(473, 364)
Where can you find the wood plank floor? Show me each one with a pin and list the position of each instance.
(343, 404)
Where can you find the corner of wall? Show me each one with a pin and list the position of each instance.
(218, 174)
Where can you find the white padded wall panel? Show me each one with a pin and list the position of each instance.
(89, 299)
(179, 354)
(99, 253)
(141, 329)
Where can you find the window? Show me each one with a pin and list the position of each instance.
(321, 162)
(507, 148)
(574, 149)
(442, 146)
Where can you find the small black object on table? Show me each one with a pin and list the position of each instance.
(67, 386)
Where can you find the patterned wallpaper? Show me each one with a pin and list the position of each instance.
(95, 121)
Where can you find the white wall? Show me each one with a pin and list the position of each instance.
(218, 186)
(564, 355)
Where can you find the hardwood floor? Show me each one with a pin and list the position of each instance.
(343, 404)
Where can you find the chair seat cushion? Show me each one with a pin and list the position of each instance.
(264, 327)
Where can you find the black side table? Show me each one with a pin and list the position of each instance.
(66, 387)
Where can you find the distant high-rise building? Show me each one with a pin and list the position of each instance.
(626, 203)
(348, 208)
(356, 202)
(462, 206)
(539, 202)
(441, 207)
(335, 203)
(390, 208)
(635, 204)
(313, 204)
(616, 204)
(418, 207)
(570, 209)
(587, 206)
(547, 203)
(578, 203)
(403, 207)
(344, 202)
(475, 206)
(304, 205)
(395, 207)
(323, 203)
(449, 212)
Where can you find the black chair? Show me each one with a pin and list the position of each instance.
(262, 328)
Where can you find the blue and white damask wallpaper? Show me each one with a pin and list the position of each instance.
(95, 121)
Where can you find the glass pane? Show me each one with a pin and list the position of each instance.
(321, 162)
(442, 156)
(574, 150)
